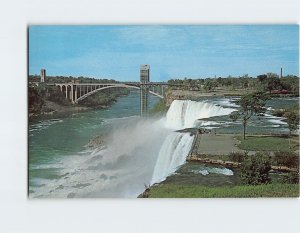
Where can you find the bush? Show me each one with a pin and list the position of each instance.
(255, 170)
(292, 178)
(237, 156)
(285, 158)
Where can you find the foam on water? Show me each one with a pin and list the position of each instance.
(227, 103)
(184, 113)
(171, 155)
(121, 169)
(139, 152)
(275, 120)
(213, 170)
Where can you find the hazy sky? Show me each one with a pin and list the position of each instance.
(171, 51)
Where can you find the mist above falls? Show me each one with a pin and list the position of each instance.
(139, 152)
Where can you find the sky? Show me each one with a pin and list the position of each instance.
(192, 51)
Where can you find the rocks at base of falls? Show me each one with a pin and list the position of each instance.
(96, 142)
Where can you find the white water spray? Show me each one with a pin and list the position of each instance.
(171, 155)
(139, 152)
(182, 114)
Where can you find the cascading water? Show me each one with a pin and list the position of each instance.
(138, 152)
(182, 114)
(171, 155)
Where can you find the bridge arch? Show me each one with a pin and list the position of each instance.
(114, 86)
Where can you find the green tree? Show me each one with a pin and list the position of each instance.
(262, 78)
(290, 83)
(273, 82)
(269, 81)
(292, 120)
(245, 81)
(255, 170)
(250, 104)
(209, 85)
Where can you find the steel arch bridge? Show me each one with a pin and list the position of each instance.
(76, 92)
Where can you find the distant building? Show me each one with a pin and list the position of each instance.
(144, 73)
(43, 75)
(144, 92)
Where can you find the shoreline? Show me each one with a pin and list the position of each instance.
(195, 95)
(61, 110)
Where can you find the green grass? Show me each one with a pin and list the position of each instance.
(268, 143)
(242, 191)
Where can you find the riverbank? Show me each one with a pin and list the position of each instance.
(53, 109)
(50, 101)
(195, 95)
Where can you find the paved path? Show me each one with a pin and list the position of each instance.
(211, 144)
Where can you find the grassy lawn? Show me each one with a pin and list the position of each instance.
(268, 143)
(200, 191)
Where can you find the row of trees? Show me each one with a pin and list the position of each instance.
(264, 82)
(272, 81)
(64, 79)
(208, 84)
(104, 98)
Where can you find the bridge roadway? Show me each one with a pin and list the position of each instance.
(75, 91)
(125, 83)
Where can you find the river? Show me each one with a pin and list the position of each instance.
(137, 153)
(53, 142)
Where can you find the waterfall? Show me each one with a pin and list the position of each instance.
(171, 155)
(182, 114)
(137, 152)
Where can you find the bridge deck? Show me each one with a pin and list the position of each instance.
(120, 83)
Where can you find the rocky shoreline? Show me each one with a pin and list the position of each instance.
(52, 109)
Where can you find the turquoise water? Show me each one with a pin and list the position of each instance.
(50, 140)
(61, 166)
(267, 124)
